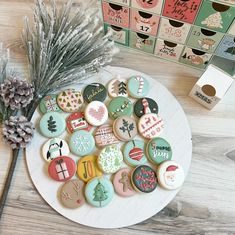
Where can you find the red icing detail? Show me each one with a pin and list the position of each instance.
(79, 201)
(97, 114)
(136, 154)
(171, 168)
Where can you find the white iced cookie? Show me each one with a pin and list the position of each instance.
(117, 87)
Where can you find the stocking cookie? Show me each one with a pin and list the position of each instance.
(117, 87)
(145, 105)
(138, 86)
(49, 104)
(95, 91)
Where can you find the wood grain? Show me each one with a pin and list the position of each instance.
(206, 203)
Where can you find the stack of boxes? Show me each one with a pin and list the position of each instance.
(191, 32)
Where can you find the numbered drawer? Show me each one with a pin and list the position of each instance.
(232, 29)
(168, 50)
(226, 48)
(116, 14)
(142, 42)
(144, 22)
(204, 39)
(121, 2)
(153, 6)
(215, 16)
(183, 10)
(173, 30)
(120, 35)
(196, 58)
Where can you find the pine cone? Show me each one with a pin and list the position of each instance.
(17, 131)
(16, 93)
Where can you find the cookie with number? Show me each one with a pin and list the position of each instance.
(72, 194)
(70, 100)
(49, 104)
(145, 105)
(138, 86)
(117, 87)
(170, 175)
(94, 91)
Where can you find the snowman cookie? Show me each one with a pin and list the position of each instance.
(94, 91)
(145, 105)
(49, 104)
(117, 87)
(138, 86)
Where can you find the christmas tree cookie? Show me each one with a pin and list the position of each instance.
(117, 87)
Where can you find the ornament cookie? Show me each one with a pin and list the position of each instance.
(134, 153)
(158, 150)
(170, 175)
(99, 192)
(70, 100)
(49, 104)
(81, 143)
(62, 168)
(104, 136)
(122, 183)
(53, 148)
(76, 121)
(117, 87)
(94, 91)
(145, 105)
(87, 168)
(144, 179)
(138, 86)
(52, 124)
(110, 159)
(71, 194)
(120, 106)
(125, 128)
(96, 113)
(150, 125)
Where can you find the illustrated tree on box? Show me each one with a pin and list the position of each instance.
(127, 127)
(51, 124)
(122, 88)
(100, 193)
(231, 50)
(213, 21)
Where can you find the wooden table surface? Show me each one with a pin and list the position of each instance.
(206, 203)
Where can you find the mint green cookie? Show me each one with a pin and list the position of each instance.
(138, 86)
(49, 104)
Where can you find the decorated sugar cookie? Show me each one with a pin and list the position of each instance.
(110, 159)
(96, 113)
(70, 100)
(99, 192)
(62, 168)
(49, 104)
(159, 150)
(104, 136)
(94, 91)
(134, 153)
(170, 175)
(117, 87)
(145, 105)
(71, 194)
(125, 128)
(150, 125)
(138, 86)
(76, 121)
(53, 148)
(122, 183)
(120, 106)
(52, 124)
(87, 168)
(81, 143)
(144, 179)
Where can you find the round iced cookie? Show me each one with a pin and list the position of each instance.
(72, 194)
(120, 106)
(117, 87)
(76, 121)
(170, 175)
(138, 86)
(144, 179)
(158, 150)
(110, 159)
(145, 105)
(104, 136)
(99, 192)
(49, 104)
(125, 128)
(81, 143)
(134, 153)
(62, 168)
(96, 113)
(87, 168)
(94, 91)
(150, 125)
(53, 148)
(52, 124)
(122, 183)
(70, 100)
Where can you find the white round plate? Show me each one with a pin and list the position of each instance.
(121, 212)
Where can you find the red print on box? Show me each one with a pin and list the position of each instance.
(184, 10)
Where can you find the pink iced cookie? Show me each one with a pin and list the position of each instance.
(122, 183)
